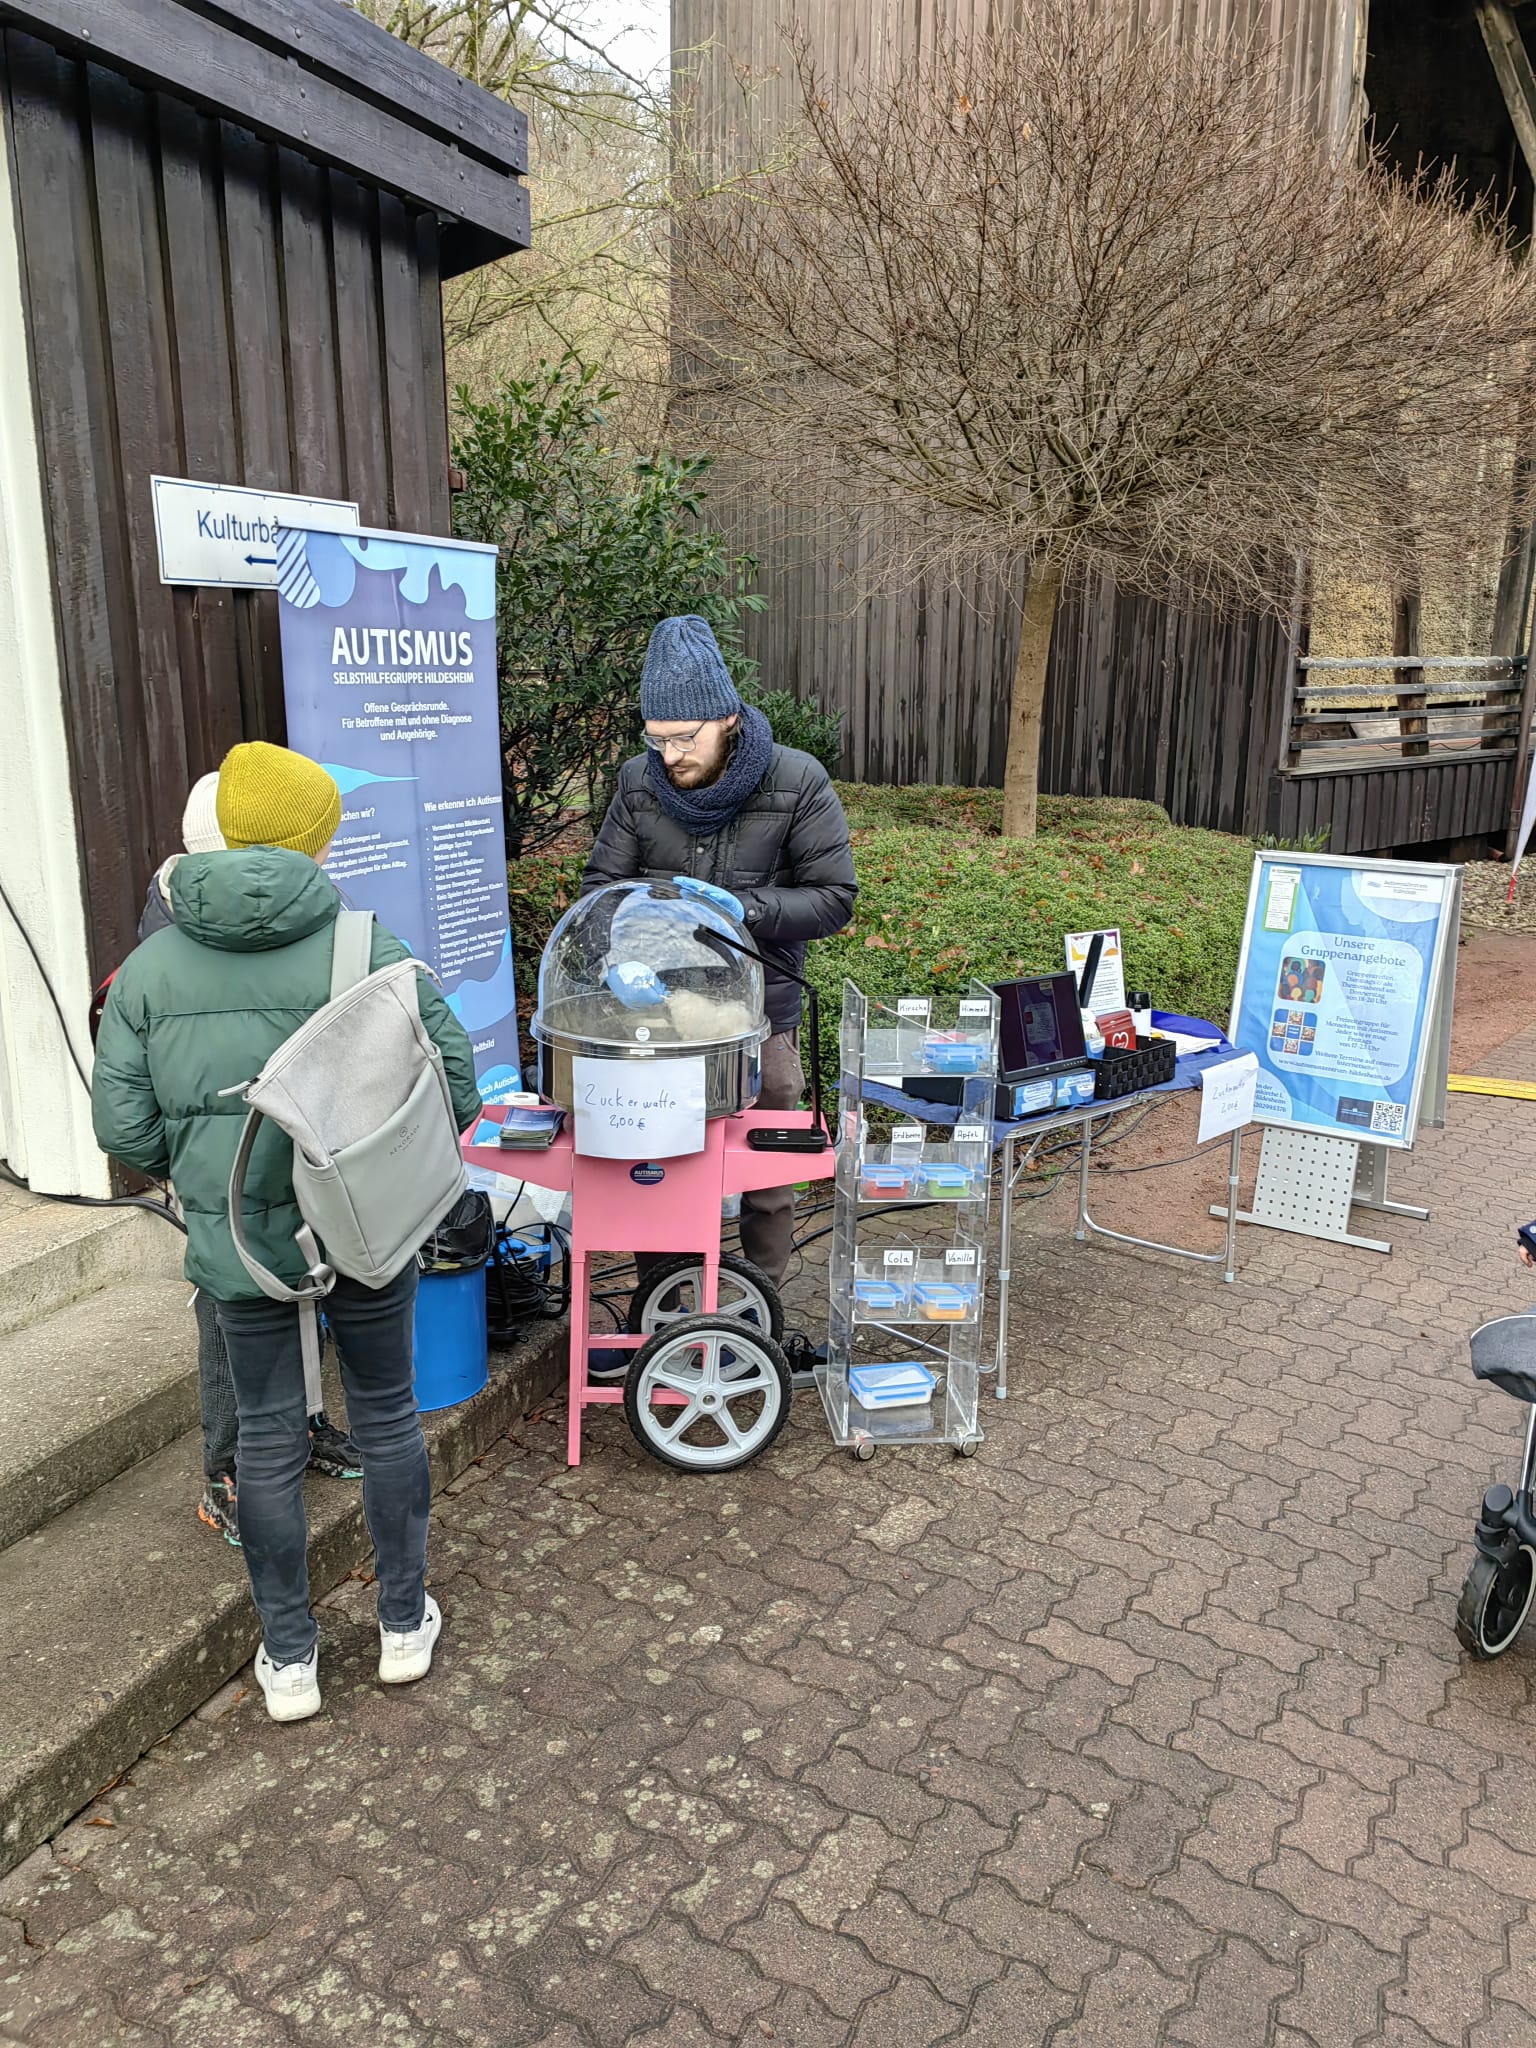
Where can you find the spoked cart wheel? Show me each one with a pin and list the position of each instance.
(674, 1290)
(1495, 1599)
(707, 1393)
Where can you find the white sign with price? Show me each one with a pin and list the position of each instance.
(638, 1109)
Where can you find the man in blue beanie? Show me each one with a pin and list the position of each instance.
(714, 797)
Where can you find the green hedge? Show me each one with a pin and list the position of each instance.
(938, 909)
(945, 901)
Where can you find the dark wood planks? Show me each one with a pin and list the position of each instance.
(200, 302)
(1388, 809)
(56, 222)
(346, 47)
(210, 62)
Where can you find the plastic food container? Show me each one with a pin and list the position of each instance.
(941, 1301)
(952, 1056)
(943, 1182)
(907, 1385)
(881, 1297)
(878, 1183)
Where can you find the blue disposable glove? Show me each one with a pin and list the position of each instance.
(635, 985)
(711, 892)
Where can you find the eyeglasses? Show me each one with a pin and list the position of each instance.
(673, 742)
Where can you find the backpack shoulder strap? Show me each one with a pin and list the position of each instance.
(351, 950)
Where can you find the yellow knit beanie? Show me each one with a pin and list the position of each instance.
(271, 797)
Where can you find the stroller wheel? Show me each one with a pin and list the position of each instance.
(1495, 1599)
(707, 1393)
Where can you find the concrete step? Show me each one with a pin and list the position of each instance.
(123, 1615)
(90, 1391)
(52, 1254)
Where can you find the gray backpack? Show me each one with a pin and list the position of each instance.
(360, 1089)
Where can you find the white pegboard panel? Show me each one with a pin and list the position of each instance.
(1306, 1184)
(1306, 1181)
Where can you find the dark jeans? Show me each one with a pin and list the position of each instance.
(373, 1332)
(215, 1392)
(768, 1214)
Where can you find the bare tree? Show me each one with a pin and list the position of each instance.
(1095, 303)
(596, 277)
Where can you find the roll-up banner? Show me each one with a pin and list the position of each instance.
(389, 672)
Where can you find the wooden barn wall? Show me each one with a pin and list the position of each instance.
(1378, 810)
(1177, 707)
(922, 676)
(203, 304)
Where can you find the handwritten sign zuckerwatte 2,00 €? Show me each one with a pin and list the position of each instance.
(638, 1109)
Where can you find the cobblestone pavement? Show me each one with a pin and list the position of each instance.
(1145, 1727)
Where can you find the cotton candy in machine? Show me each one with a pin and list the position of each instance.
(630, 973)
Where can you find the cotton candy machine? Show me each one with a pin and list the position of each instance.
(629, 973)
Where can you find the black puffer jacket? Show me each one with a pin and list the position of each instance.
(785, 854)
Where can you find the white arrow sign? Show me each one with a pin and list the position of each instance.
(223, 533)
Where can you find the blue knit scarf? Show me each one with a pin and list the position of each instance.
(704, 812)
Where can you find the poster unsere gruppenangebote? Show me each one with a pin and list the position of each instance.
(389, 674)
(1337, 985)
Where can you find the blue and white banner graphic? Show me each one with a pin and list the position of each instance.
(1337, 988)
(389, 672)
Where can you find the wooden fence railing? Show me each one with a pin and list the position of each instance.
(1398, 707)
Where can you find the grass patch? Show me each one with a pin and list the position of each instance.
(951, 808)
(944, 901)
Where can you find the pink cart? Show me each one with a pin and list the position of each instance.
(649, 1025)
(708, 1391)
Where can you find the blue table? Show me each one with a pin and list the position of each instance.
(1008, 1138)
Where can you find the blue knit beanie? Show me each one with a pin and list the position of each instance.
(685, 675)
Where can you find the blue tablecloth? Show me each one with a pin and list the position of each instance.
(1189, 1074)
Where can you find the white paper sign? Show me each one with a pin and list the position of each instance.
(638, 1109)
(1108, 991)
(1226, 1096)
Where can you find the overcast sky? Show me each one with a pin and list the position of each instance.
(636, 33)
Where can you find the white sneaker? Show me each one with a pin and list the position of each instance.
(406, 1654)
(292, 1691)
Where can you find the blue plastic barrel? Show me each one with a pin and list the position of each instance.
(452, 1358)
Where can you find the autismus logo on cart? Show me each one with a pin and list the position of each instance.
(647, 1174)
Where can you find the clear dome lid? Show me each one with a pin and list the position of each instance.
(643, 965)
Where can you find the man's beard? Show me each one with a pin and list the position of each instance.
(714, 775)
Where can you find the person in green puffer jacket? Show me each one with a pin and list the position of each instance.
(198, 1009)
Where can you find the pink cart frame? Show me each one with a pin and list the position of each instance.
(663, 1205)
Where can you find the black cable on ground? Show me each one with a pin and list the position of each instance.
(42, 973)
(1183, 1159)
(521, 1290)
(162, 1209)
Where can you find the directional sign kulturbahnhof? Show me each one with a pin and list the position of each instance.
(224, 533)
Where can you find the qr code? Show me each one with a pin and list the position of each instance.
(1388, 1117)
